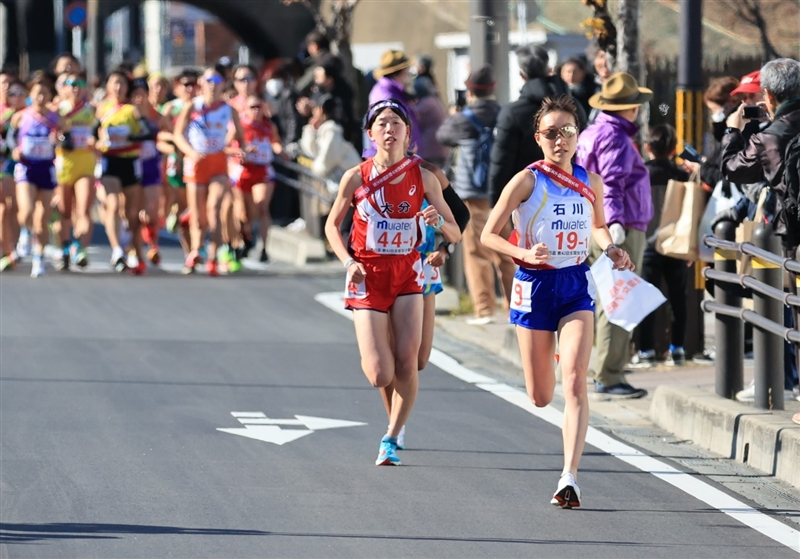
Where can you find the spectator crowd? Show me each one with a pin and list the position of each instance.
(193, 153)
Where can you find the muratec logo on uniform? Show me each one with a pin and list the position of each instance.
(261, 428)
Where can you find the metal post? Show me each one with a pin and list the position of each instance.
(768, 348)
(689, 94)
(488, 34)
(23, 11)
(3, 33)
(728, 330)
(58, 24)
(94, 48)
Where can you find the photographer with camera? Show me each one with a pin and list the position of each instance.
(764, 156)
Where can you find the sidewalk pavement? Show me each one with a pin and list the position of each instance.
(680, 400)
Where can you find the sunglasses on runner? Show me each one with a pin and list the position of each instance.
(16, 93)
(255, 107)
(245, 79)
(189, 84)
(75, 83)
(216, 80)
(553, 133)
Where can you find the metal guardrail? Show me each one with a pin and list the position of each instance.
(312, 185)
(315, 193)
(769, 298)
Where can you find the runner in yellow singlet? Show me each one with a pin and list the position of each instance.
(75, 171)
(120, 134)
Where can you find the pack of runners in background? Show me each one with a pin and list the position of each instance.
(192, 155)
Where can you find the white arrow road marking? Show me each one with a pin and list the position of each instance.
(320, 423)
(269, 433)
(261, 428)
(697, 488)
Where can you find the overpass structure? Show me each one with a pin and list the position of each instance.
(268, 28)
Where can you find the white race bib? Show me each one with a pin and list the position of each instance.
(234, 171)
(567, 239)
(118, 136)
(263, 155)
(148, 151)
(37, 148)
(432, 275)
(386, 235)
(521, 295)
(80, 136)
(355, 290)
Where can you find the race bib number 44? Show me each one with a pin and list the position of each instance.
(386, 235)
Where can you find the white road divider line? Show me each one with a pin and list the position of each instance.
(688, 483)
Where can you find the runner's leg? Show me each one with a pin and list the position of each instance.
(26, 199)
(196, 196)
(406, 321)
(575, 338)
(375, 347)
(113, 188)
(41, 222)
(262, 195)
(84, 200)
(216, 191)
(134, 203)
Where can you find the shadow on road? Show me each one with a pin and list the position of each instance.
(29, 533)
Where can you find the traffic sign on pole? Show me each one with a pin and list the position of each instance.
(75, 15)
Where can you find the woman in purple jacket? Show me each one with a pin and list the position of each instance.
(606, 147)
(394, 76)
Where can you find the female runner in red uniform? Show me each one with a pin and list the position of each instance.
(384, 283)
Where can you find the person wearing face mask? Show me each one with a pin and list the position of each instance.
(580, 82)
(286, 117)
(393, 77)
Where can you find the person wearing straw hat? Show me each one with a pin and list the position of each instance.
(393, 77)
(606, 147)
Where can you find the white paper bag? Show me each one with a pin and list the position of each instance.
(716, 204)
(626, 298)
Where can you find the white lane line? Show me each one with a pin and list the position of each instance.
(687, 483)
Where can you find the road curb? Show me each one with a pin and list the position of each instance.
(767, 441)
(294, 248)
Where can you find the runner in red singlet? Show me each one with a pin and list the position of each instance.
(384, 283)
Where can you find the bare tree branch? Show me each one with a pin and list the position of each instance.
(752, 12)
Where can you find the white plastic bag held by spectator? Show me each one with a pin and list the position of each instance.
(716, 204)
(626, 298)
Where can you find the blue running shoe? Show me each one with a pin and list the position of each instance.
(387, 455)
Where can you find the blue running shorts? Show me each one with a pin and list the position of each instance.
(541, 298)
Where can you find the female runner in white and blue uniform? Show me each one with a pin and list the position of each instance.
(556, 206)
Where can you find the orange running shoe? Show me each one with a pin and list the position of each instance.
(154, 256)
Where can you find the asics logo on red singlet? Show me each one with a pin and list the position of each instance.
(413, 190)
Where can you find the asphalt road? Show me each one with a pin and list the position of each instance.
(112, 391)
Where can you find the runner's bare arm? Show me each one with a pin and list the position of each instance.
(347, 187)
(433, 193)
(600, 229)
(164, 124)
(519, 189)
(179, 138)
(237, 125)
